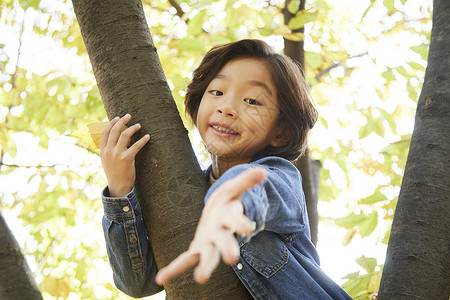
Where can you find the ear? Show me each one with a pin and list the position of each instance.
(281, 139)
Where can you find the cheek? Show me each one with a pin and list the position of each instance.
(201, 115)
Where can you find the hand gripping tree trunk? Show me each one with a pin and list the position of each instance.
(308, 168)
(170, 184)
(16, 279)
(418, 257)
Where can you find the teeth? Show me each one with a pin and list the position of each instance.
(218, 128)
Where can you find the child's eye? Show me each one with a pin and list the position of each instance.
(216, 93)
(252, 101)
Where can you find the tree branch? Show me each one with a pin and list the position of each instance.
(340, 63)
(180, 11)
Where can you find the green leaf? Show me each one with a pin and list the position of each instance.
(4, 170)
(381, 94)
(265, 31)
(7, 144)
(351, 220)
(313, 59)
(374, 282)
(412, 92)
(322, 5)
(399, 148)
(342, 163)
(389, 4)
(422, 50)
(324, 122)
(348, 237)
(301, 18)
(295, 36)
(353, 275)
(191, 44)
(377, 197)
(43, 140)
(233, 33)
(364, 131)
(367, 263)
(403, 71)
(354, 287)
(293, 6)
(416, 66)
(373, 125)
(385, 239)
(219, 39)
(368, 225)
(388, 75)
(195, 24)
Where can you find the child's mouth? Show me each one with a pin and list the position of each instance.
(223, 131)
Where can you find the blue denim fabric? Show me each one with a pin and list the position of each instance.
(277, 262)
(130, 255)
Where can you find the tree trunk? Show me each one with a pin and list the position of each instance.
(418, 257)
(16, 280)
(170, 183)
(308, 168)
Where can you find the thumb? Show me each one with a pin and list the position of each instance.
(246, 180)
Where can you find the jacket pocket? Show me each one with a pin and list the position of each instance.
(266, 253)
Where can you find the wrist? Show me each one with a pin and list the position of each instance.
(115, 192)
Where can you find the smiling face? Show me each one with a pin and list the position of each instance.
(238, 114)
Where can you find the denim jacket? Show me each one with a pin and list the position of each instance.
(278, 261)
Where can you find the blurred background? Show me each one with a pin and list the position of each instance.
(365, 63)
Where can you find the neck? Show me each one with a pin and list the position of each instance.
(221, 164)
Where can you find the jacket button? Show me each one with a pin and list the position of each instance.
(133, 238)
(126, 208)
(239, 266)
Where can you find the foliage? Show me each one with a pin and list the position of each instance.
(366, 97)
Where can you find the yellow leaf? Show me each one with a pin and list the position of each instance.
(83, 137)
(56, 287)
(91, 134)
(95, 130)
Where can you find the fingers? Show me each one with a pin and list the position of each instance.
(237, 221)
(137, 146)
(227, 246)
(125, 136)
(116, 130)
(179, 265)
(209, 260)
(235, 187)
(115, 135)
(106, 131)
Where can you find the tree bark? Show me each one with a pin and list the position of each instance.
(308, 168)
(418, 257)
(170, 183)
(16, 280)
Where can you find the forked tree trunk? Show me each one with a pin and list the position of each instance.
(170, 183)
(307, 167)
(16, 279)
(418, 257)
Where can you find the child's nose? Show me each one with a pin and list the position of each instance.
(226, 110)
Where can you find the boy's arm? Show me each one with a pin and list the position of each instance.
(222, 217)
(278, 205)
(128, 248)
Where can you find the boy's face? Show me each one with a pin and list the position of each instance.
(238, 113)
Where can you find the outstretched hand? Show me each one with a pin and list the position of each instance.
(222, 217)
(118, 160)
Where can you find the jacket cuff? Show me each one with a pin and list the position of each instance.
(255, 204)
(125, 207)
